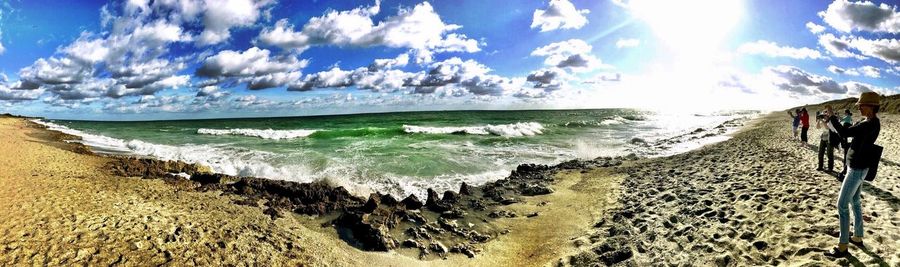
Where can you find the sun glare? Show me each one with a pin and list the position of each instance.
(692, 25)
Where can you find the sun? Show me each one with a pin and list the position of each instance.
(691, 26)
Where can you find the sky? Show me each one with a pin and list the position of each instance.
(184, 59)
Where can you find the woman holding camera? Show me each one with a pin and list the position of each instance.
(859, 158)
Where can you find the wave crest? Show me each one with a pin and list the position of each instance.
(506, 130)
(261, 133)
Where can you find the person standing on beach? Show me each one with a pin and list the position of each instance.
(859, 157)
(829, 140)
(847, 121)
(804, 122)
(796, 122)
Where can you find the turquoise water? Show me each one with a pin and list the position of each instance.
(397, 153)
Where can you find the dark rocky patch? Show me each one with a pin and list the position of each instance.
(445, 223)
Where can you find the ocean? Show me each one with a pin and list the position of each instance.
(403, 153)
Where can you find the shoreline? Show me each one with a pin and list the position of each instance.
(609, 232)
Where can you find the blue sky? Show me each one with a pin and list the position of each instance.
(173, 59)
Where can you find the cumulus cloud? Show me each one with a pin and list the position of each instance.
(126, 59)
(361, 78)
(560, 14)
(251, 62)
(854, 89)
(8, 94)
(772, 49)
(849, 16)
(457, 77)
(870, 71)
(623, 43)
(838, 47)
(838, 70)
(815, 28)
(418, 28)
(549, 78)
(217, 17)
(221, 16)
(798, 81)
(469, 76)
(573, 54)
(894, 70)
(390, 63)
(451, 77)
(212, 92)
(887, 50)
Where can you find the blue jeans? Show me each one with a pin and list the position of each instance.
(850, 190)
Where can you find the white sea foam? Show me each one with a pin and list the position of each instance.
(261, 133)
(99, 142)
(613, 121)
(221, 158)
(245, 162)
(507, 130)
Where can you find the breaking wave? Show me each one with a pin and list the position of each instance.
(506, 130)
(261, 133)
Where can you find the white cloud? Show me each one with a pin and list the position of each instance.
(361, 78)
(221, 16)
(838, 70)
(453, 77)
(390, 63)
(549, 78)
(868, 71)
(884, 49)
(838, 47)
(854, 89)
(795, 80)
(894, 70)
(568, 47)
(815, 28)
(261, 69)
(125, 59)
(419, 28)
(9, 94)
(560, 14)
(54, 71)
(458, 76)
(849, 16)
(772, 49)
(574, 54)
(622, 43)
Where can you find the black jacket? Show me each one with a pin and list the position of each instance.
(864, 134)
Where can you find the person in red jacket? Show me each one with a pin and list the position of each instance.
(804, 123)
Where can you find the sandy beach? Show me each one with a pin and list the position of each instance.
(755, 199)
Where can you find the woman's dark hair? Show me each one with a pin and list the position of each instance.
(847, 111)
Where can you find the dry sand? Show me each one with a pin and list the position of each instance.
(752, 200)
